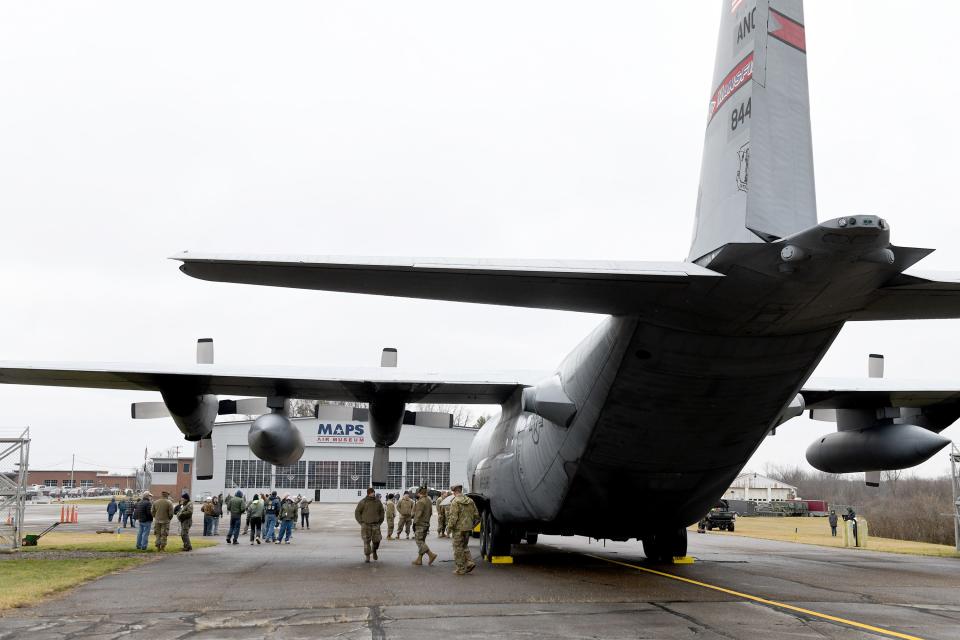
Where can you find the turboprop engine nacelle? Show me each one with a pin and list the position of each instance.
(878, 448)
(273, 438)
(386, 420)
(194, 415)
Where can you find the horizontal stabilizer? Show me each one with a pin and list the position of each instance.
(915, 295)
(587, 286)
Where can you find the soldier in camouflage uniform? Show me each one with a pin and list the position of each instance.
(405, 509)
(442, 514)
(461, 519)
(185, 516)
(391, 515)
(162, 511)
(369, 515)
(421, 526)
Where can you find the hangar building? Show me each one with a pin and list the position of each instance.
(759, 488)
(336, 462)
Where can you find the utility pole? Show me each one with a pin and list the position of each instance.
(955, 473)
(73, 460)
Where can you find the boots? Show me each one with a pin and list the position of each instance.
(432, 556)
(389, 537)
(375, 547)
(418, 561)
(366, 558)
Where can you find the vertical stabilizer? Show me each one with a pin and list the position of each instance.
(756, 182)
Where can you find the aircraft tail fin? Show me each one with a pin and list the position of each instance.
(756, 181)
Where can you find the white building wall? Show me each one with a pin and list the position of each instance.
(416, 444)
(759, 488)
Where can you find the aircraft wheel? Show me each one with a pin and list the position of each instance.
(484, 534)
(499, 542)
(665, 546)
(531, 538)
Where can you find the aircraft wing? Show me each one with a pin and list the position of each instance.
(333, 384)
(588, 286)
(848, 393)
(915, 295)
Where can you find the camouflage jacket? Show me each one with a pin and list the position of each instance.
(186, 512)
(406, 506)
(463, 514)
(162, 511)
(422, 511)
(391, 509)
(369, 511)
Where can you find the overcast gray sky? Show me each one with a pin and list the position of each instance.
(131, 131)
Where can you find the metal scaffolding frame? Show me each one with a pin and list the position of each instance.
(955, 473)
(13, 489)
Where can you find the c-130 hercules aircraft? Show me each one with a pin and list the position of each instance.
(694, 365)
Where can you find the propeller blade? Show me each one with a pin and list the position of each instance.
(244, 406)
(148, 410)
(824, 415)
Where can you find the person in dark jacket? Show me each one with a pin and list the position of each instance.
(271, 510)
(305, 513)
(131, 512)
(235, 506)
(832, 519)
(111, 509)
(184, 514)
(143, 514)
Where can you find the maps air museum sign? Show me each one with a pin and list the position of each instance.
(340, 433)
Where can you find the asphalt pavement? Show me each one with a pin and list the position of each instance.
(319, 587)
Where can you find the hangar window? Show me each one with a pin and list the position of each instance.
(322, 474)
(354, 475)
(247, 474)
(164, 467)
(293, 476)
(68, 484)
(395, 476)
(86, 484)
(431, 474)
(49, 483)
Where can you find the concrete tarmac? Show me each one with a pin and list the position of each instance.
(319, 587)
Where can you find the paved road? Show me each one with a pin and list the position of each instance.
(318, 587)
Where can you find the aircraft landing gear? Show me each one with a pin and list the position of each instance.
(495, 538)
(663, 547)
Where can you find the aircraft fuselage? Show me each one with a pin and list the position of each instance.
(672, 404)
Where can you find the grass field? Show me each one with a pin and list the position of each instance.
(63, 541)
(817, 531)
(24, 581)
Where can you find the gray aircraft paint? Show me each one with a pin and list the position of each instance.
(756, 182)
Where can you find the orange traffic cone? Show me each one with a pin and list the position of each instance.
(9, 519)
(76, 515)
(63, 513)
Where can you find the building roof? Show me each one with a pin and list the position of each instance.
(758, 481)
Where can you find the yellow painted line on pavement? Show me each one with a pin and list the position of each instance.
(772, 603)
